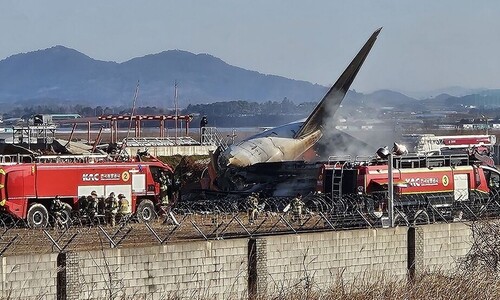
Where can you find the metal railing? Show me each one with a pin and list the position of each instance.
(160, 142)
(210, 136)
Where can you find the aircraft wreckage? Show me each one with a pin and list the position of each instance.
(272, 161)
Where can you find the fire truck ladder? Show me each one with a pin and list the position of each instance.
(424, 161)
(90, 158)
(338, 173)
(16, 158)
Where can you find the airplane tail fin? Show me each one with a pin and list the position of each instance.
(337, 92)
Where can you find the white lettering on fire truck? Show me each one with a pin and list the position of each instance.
(419, 181)
(110, 176)
(97, 177)
(90, 177)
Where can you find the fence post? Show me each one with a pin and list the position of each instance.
(68, 276)
(415, 252)
(257, 268)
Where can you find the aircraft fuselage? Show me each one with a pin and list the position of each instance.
(272, 145)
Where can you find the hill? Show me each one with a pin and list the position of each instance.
(63, 74)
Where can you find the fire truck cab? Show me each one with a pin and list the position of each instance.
(27, 189)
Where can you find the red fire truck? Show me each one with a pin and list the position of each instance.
(27, 189)
(426, 188)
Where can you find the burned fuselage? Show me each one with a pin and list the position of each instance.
(259, 160)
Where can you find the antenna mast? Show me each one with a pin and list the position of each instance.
(124, 143)
(176, 109)
(132, 113)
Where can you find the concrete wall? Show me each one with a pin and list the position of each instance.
(188, 270)
(444, 244)
(29, 276)
(230, 269)
(324, 257)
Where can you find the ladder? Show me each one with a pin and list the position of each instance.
(338, 173)
(337, 178)
(89, 158)
(16, 158)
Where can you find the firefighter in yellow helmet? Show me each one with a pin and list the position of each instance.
(124, 206)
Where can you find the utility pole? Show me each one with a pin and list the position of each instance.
(176, 109)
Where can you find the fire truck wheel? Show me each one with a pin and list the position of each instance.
(65, 216)
(38, 216)
(146, 211)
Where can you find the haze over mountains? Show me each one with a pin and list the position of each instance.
(62, 75)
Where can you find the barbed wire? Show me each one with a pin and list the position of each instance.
(232, 217)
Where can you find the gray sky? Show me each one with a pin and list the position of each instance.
(424, 45)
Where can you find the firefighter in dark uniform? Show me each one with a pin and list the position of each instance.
(56, 205)
(111, 208)
(83, 203)
(92, 205)
(56, 208)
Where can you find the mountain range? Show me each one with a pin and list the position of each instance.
(61, 75)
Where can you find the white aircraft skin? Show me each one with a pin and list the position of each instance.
(289, 142)
(272, 145)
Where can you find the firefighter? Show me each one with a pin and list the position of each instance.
(253, 207)
(203, 122)
(56, 205)
(92, 205)
(124, 206)
(56, 208)
(164, 184)
(297, 204)
(83, 203)
(111, 208)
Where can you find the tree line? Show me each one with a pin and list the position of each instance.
(233, 108)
